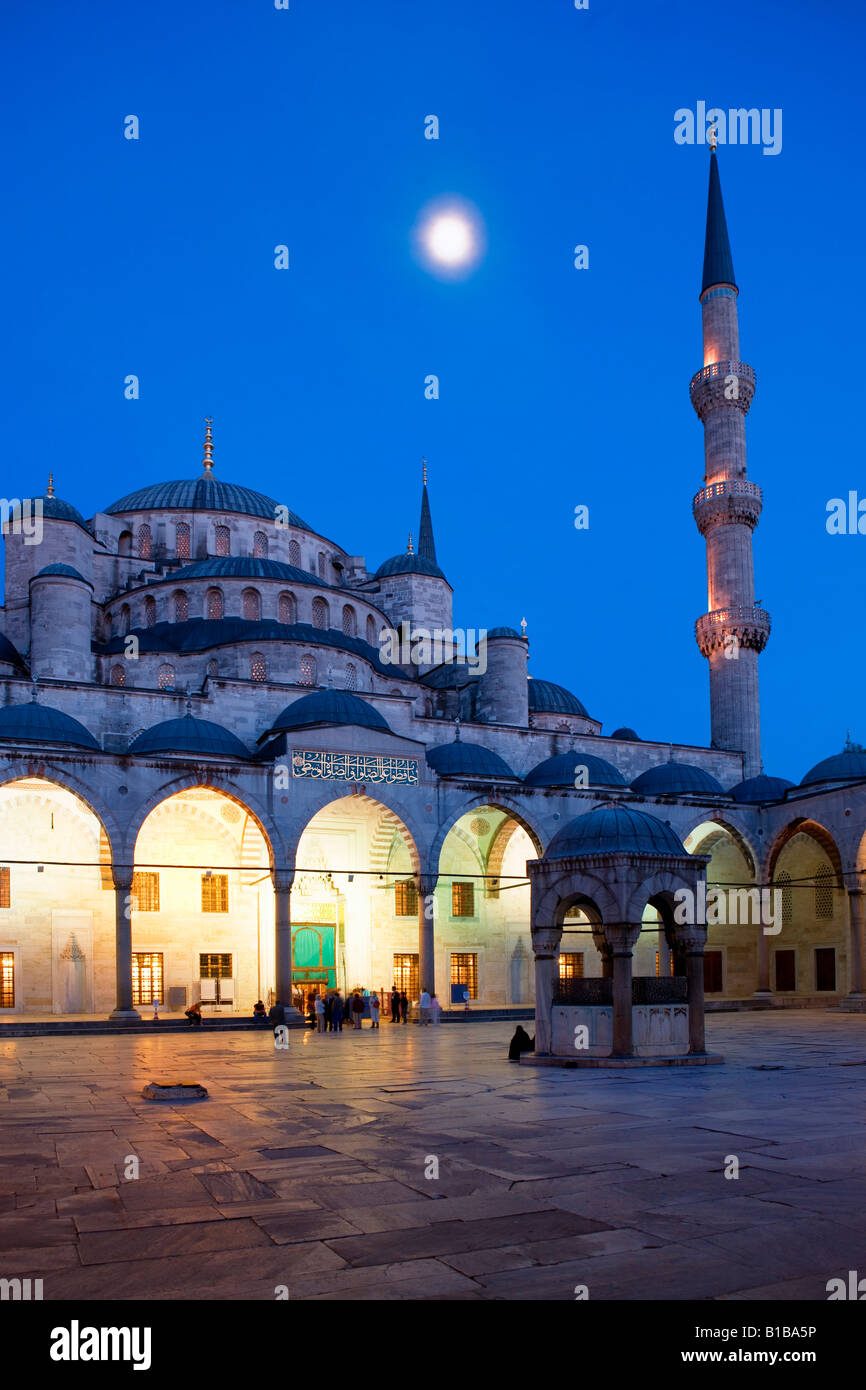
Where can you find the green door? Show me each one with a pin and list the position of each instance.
(314, 954)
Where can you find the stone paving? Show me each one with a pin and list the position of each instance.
(307, 1168)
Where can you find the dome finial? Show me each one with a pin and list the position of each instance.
(523, 626)
(49, 491)
(35, 690)
(457, 729)
(207, 461)
(409, 549)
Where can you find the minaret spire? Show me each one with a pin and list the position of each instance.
(734, 630)
(207, 461)
(426, 544)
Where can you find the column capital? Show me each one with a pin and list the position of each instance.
(545, 941)
(122, 874)
(621, 937)
(282, 880)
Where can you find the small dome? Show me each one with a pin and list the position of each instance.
(199, 737)
(8, 653)
(203, 494)
(409, 564)
(35, 723)
(547, 698)
(468, 760)
(625, 734)
(245, 567)
(758, 789)
(58, 510)
(66, 571)
(328, 707)
(559, 771)
(847, 766)
(614, 830)
(505, 632)
(676, 779)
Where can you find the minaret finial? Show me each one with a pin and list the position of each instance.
(208, 445)
(714, 138)
(424, 471)
(523, 626)
(409, 549)
(49, 491)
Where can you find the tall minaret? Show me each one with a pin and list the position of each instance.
(734, 631)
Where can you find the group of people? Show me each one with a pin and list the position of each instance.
(329, 1010)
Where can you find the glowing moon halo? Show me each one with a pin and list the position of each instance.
(449, 238)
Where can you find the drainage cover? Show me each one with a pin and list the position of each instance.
(174, 1090)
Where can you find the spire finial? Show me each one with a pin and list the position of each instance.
(714, 138)
(523, 626)
(35, 689)
(49, 491)
(207, 461)
(457, 729)
(188, 706)
(424, 471)
(409, 549)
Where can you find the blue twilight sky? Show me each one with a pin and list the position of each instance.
(558, 387)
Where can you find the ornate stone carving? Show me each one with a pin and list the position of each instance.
(721, 385)
(749, 626)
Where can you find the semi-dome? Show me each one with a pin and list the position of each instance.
(328, 707)
(9, 654)
(245, 567)
(65, 571)
(626, 734)
(460, 759)
(198, 737)
(614, 830)
(409, 564)
(676, 779)
(848, 766)
(204, 494)
(35, 723)
(759, 789)
(57, 510)
(504, 632)
(559, 771)
(547, 698)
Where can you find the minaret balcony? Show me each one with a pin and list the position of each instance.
(721, 384)
(734, 501)
(729, 629)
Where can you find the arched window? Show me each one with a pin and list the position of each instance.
(165, 678)
(182, 540)
(118, 675)
(294, 554)
(212, 669)
(308, 670)
(350, 626)
(124, 543)
(563, 727)
(181, 607)
(824, 893)
(144, 541)
(214, 603)
(372, 635)
(287, 608)
(351, 677)
(258, 667)
(260, 545)
(320, 613)
(223, 540)
(150, 612)
(124, 620)
(252, 605)
(783, 881)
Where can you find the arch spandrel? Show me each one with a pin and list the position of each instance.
(60, 777)
(732, 826)
(804, 825)
(325, 798)
(506, 804)
(274, 843)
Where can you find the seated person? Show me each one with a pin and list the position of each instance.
(521, 1042)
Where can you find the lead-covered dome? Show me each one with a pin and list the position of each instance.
(9, 654)
(35, 723)
(614, 830)
(328, 707)
(755, 790)
(625, 734)
(204, 494)
(847, 766)
(245, 567)
(57, 510)
(195, 737)
(547, 698)
(677, 779)
(409, 564)
(560, 771)
(460, 759)
(64, 572)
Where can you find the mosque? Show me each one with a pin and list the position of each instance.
(218, 784)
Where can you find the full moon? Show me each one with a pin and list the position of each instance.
(449, 237)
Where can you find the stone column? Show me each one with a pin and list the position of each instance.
(426, 933)
(282, 881)
(855, 943)
(123, 1011)
(621, 939)
(692, 940)
(545, 944)
(763, 991)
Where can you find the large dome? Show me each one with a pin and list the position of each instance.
(614, 830)
(547, 698)
(199, 737)
(246, 567)
(677, 779)
(847, 766)
(204, 494)
(560, 770)
(328, 707)
(468, 760)
(41, 724)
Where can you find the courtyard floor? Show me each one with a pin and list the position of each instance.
(309, 1168)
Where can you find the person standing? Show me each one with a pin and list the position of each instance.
(337, 1013)
(404, 1006)
(374, 1009)
(424, 1008)
(329, 1003)
(395, 1004)
(320, 1013)
(435, 1010)
(357, 1009)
